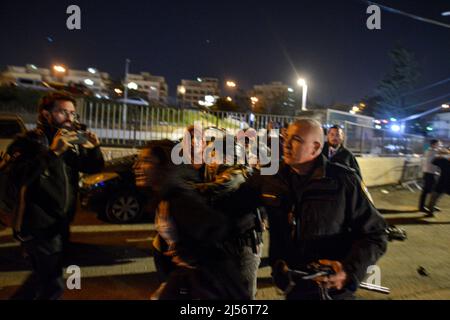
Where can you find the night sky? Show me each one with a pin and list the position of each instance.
(251, 42)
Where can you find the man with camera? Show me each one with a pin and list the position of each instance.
(46, 166)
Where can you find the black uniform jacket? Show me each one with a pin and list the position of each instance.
(343, 156)
(334, 216)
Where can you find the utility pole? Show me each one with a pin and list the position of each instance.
(125, 92)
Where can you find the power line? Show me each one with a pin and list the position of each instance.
(409, 15)
(426, 87)
(426, 102)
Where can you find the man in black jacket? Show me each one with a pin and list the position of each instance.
(47, 162)
(318, 210)
(334, 150)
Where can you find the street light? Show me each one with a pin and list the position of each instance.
(132, 86)
(355, 109)
(231, 84)
(445, 106)
(59, 69)
(229, 99)
(302, 83)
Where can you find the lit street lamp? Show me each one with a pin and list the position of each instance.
(302, 83)
(59, 69)
(231, 84)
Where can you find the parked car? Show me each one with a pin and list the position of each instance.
(10, 126)
(113, 195)
(32, 84)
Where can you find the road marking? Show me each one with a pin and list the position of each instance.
(100, 228)
(137, 266)
(140, 239)
(10, 244)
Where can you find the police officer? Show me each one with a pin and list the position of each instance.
(47, 165)
(334, 150)
(318, 210)
(244, 241)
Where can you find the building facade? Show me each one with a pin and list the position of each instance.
(192, 93)
(154, 87)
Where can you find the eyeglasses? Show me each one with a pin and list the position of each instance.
(67, 114)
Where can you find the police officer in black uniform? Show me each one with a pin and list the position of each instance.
(318, 211)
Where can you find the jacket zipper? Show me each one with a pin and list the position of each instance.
(66, 191)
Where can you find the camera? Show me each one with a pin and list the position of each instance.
(82, 136)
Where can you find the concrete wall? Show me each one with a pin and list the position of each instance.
(112, 153)
(378, 171)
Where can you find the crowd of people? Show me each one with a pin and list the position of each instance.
(212, 214)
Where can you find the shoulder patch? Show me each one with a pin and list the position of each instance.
(366, 192)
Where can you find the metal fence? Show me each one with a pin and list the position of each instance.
(117, 124)
(366, 140)
(132, 126)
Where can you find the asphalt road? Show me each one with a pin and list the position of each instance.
(116, 261)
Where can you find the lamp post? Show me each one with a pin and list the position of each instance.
(125, 92)
(302, 83)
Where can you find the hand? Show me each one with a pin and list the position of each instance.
(93, 141)
(62, 141)
(336, 280)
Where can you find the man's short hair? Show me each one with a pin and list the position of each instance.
(313, 124)
(48, 101)
(334, 127)
(433, 141)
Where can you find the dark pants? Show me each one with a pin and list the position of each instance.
(433, 200)
(429, 181)
(164, 265)
(249, 263)
(46, 281)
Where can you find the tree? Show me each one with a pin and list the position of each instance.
(401, 78)
(225, 105)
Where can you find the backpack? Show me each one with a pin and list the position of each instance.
(12, 197)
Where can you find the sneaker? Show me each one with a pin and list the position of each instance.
(437, 209)
(424, 209)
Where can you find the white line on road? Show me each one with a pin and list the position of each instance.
(137, 266)
(140, 239)
(100, 228)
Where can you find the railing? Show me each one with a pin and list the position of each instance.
(366, 140)
(116, 124)
(132, 126)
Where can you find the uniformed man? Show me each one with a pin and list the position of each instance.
(318, 210)
(335, 151)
